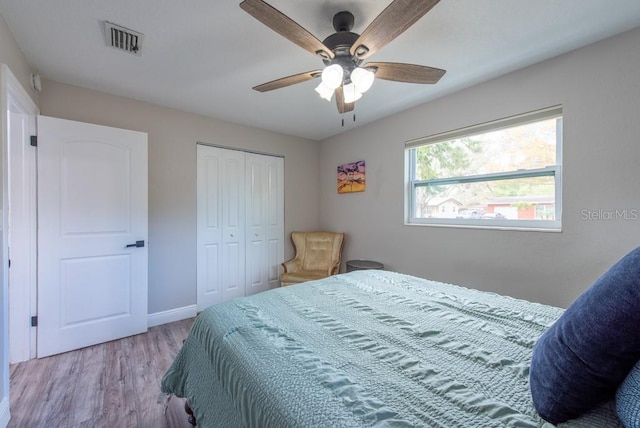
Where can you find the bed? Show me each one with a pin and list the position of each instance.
(367, 348)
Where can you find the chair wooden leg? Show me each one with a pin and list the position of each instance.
(192, 418)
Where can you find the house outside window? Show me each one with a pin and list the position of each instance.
(503, 174)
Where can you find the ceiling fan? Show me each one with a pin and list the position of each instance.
(343, 52)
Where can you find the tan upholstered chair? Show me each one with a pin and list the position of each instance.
(317, 256)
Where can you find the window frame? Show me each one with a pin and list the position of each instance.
(555, 171)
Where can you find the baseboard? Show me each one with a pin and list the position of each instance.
(177, 314)
(4, 412)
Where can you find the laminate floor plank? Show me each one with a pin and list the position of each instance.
(114, 384)
(90, 375)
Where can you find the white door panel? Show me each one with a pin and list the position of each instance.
(110, 285)
(276, 257)
(92, 204)
(103, 203)
(211, 280)
(232, 273)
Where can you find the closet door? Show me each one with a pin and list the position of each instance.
(220, 225)
(264, 221)
(240, 231)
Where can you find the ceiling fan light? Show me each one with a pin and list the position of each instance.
(351, 93)
(324, 91)
(362, 78)
(332, 76)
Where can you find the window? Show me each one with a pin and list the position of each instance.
(501, 174)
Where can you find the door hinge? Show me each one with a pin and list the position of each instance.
(34, 321)
(34, 140)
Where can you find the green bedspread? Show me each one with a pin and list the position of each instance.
(368, 348)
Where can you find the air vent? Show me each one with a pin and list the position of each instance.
(123, 39)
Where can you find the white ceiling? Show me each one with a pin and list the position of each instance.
(204, 56)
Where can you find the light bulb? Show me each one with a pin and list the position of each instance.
(332, 76)
(324, 91)
(362, 78)
(351, 94)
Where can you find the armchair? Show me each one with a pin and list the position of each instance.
(317, 256)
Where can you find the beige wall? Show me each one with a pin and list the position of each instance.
(599, 89)
(11, 55)
(172, 177)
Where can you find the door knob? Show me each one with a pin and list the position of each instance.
(138, 244)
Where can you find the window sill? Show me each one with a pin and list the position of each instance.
(482, 226)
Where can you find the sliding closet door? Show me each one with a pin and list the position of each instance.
(264, 220)
(220, 226)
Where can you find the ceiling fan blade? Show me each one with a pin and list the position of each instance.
(393, 21)
(410, 73)
(287, 81)
(342, 106)
(285, 26)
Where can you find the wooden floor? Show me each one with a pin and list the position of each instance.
(115, 384)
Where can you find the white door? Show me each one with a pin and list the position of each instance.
(220, 225)
(265, 221)
(92, 234)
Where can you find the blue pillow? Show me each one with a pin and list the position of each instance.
(628, 399)
(585, 355)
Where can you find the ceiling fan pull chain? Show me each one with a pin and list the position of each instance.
(343, 122)
(354, 117)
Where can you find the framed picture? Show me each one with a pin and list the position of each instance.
(351, 177)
